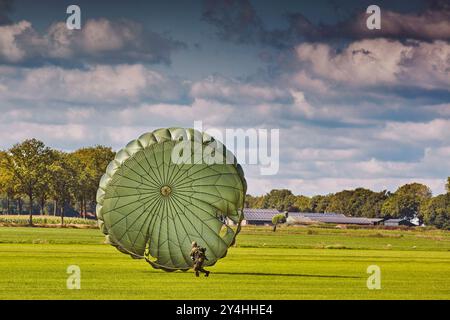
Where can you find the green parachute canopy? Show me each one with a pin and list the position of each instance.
(168, 188)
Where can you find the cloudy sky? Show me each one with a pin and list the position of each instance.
(355, 107)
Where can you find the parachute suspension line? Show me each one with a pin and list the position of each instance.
(132, 254)
(144, 257)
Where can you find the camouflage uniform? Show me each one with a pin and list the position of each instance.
(199, 257)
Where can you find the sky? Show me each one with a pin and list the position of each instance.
(355, 107)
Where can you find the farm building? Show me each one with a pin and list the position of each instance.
(259, 216)
(398, 222)
(313, 215)
(334, 218)
(264, 217)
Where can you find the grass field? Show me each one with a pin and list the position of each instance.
(293, 263)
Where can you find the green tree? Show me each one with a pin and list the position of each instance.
(278, 219)
(320, 203)
(282, 199)
(406, 201)
(373, 204)
(447, 186)
(8, 185)
(253, 202)
(90, 164)
(436, 211)
(358, 203)
(63, 181)
(43, 187)
(29, 163)
(341, 202)
(302, 203)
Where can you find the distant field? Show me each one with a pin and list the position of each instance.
(292, 263)
(21, 220)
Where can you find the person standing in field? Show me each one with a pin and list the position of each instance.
(198, 255)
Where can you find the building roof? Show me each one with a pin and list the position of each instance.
(336, 218)
(313, 214)
(260, 214)
(344, 220)
(394, 220)
(399, 222)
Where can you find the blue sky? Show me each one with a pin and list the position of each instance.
(354, 107)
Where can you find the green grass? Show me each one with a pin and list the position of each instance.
(293, 263)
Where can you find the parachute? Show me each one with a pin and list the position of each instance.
(168, 188)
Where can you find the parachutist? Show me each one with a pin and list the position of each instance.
(198, 255)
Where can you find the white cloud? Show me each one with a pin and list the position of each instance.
(230, 90)
(99, 40)
(379, 62)
(304, 81)
(10, 50)
(323, 154)
(103, 84)
(415, 132)
(14, 132)
(367, 61)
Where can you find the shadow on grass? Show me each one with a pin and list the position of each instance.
(265, 274)
(285, 275)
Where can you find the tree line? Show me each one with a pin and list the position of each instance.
(37, 179)
(409, 201)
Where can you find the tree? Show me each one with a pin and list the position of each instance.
(90, 164)
(447, 186)
(341, 202)
(302, 203)
(358, 203)
(278, 219)
(253, 202)
(29, 161)
(281, 200)
(436, 211)
(63, 181)
(43, 187)
(8, 184)
(373, 204)
(406, 201)
(320, 203)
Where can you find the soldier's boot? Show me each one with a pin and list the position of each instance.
(206, 273)
(196, 273)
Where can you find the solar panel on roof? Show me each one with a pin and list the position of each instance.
(394, 220)
(334, 218)
(314, 214)
(338, 218)
(260, 214)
